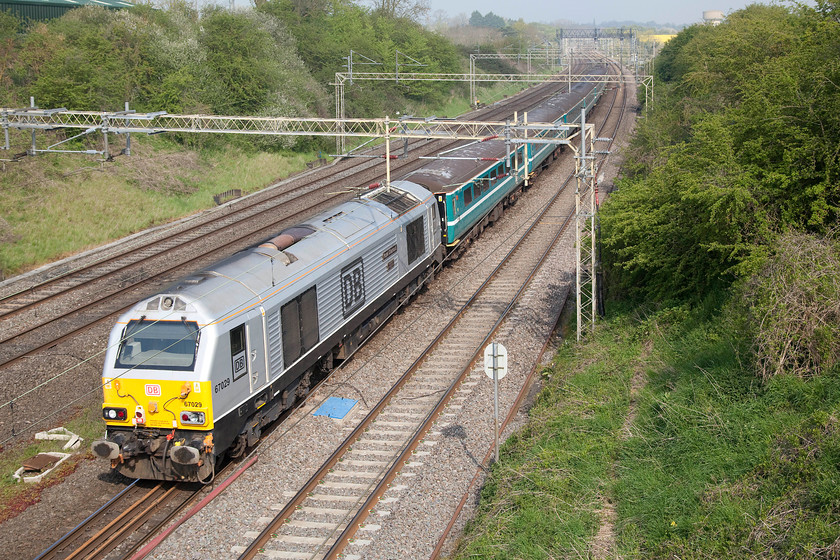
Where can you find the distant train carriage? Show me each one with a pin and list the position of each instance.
(474, 183)
(562, 108)
(200, 368)
(468, 188)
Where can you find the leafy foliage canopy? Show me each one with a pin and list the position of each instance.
(740, 146)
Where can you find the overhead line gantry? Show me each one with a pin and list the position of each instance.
(568, 78)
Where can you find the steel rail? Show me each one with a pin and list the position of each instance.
(75, 531)
(263, 231)
(512, 412)
(525, 386)
(110, 537)
(118, 530)
(254, 548)
(380, 489)
(87, 547)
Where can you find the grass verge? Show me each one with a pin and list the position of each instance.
(543, 497)
(55, 205)
(715, 464)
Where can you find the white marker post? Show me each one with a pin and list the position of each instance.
(495, 366)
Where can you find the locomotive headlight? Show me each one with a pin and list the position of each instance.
(116, 414)
(192, 417)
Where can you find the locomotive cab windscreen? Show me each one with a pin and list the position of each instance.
(169, 345)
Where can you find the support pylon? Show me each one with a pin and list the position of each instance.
(585, 208)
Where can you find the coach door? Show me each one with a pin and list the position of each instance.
(441, 205)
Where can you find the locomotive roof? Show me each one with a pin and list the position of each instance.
(249, 275)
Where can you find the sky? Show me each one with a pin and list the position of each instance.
(585, 11)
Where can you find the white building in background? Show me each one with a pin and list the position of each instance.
(713, 17)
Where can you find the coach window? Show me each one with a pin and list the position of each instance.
(299, 320)
(415, 240)
(237, 351)
(467, 196)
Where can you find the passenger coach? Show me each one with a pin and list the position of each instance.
(473, 184)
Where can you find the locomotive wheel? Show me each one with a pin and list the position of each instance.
(303, 387)
(237, 450)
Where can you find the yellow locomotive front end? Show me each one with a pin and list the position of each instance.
(157, 409)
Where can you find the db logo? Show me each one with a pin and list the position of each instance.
(152, 390)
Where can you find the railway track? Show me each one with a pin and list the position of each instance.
(39, 321)
(326, 513)
(369, 460)
(123, 523)
(336, 500)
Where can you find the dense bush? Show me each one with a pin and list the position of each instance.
(790, 309)
(177, 60)
(740, 145)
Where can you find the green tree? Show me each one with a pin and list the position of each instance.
(9, 26)
(740, 146)
(407, 9)
(490, 20)
(326, 38)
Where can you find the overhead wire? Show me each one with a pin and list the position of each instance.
(100, 386)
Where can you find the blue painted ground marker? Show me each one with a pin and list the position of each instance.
(335, 407)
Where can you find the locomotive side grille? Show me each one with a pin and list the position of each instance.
(377, 274)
